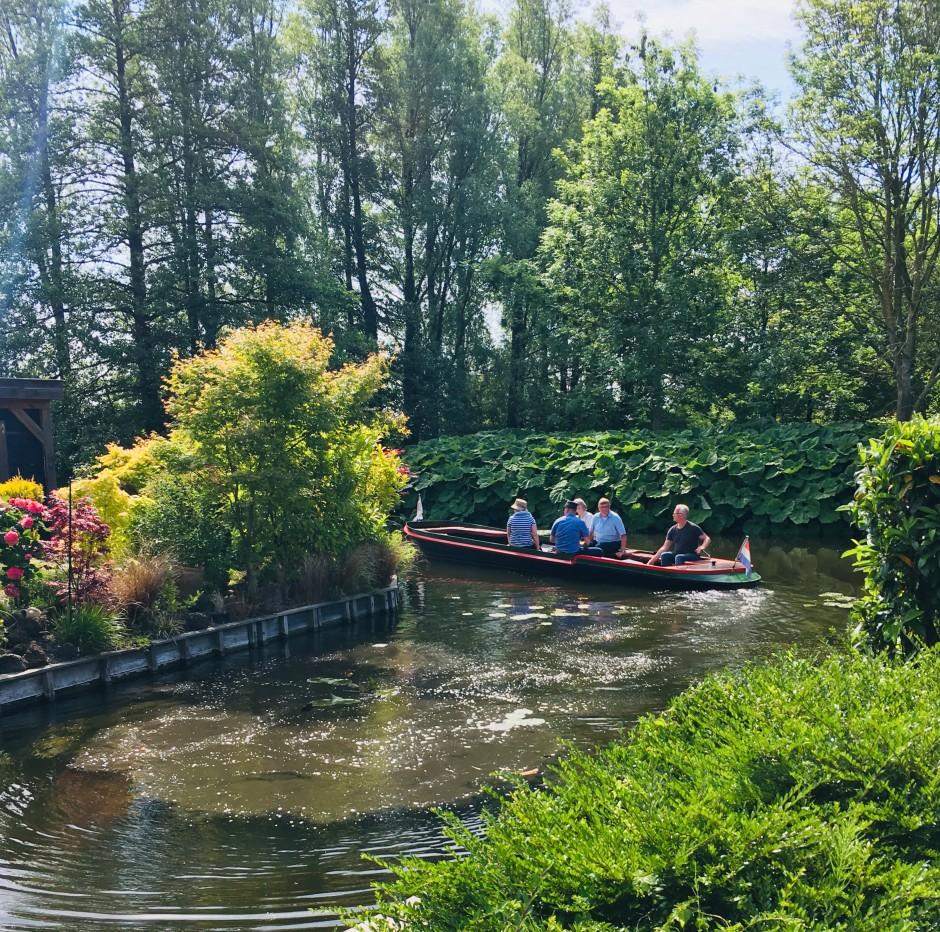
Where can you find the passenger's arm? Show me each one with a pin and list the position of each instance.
(535, 535)
(705, 541)
(654, 559)
(623, 545)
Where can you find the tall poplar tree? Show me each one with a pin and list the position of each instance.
(869, 116)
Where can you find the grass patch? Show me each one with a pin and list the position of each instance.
(800, 794)
(92, 628)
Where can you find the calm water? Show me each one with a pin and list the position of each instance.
(245, 798)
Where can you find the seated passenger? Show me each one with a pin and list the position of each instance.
(569, 531)
(583, 513)
(685, 542)
(521, 530)
(608, 531)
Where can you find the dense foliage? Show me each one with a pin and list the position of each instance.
(897, 507)
(802, 795)
(287, 453)
(271, 456)
(756, 480)
(555, 227)
(271, 486)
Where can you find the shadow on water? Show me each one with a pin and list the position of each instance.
(244, 796)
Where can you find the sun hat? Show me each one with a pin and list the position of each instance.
(520, 504)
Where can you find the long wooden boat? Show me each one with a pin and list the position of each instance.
(486, 546)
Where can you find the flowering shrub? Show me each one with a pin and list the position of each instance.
(21, 522)
(91, 571)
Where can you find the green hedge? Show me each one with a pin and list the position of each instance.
(755, 480)
(801, 794)
(897, 506)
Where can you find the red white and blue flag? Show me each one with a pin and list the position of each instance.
(744, 556)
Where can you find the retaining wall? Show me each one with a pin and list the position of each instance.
(45, 683)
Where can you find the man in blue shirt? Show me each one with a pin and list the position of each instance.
(608, 531)
(569, 531)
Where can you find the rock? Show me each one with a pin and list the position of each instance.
(35, 614)
(35, 656)
(196, 621)
(11, 663)
(66, 652)
(24, 629)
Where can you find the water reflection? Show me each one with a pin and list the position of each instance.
(245, 797)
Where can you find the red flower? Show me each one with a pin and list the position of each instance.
(27, 557)
(11, 538)
(15, 572)
(34, 508)
(11, 590)
(26, 523)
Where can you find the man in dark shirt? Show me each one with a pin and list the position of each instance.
(684, 541)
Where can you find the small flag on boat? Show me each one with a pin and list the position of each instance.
(744, 556)
(419, 511)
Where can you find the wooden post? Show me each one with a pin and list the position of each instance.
(48, 446)
(4, 459)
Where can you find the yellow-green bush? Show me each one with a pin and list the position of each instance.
(271, 454)
(133, 467)
(18, 487)
(113, 504)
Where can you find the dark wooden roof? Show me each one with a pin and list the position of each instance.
(30, 390)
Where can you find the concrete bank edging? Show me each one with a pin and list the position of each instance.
(44, 683)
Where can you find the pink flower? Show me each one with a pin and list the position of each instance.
(34, 508)
(27, 557)
(11, 538)
(11, 590)
(26, 523)
(17, 502)
(15, 572)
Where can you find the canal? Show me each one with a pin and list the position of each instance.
(245, 796)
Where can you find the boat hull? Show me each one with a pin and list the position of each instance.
(481, 546)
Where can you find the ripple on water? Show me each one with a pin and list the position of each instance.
(244, 798)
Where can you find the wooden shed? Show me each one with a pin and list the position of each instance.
(26, 440)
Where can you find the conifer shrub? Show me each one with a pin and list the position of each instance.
(18, 487)
(799, 794)
(897, 507)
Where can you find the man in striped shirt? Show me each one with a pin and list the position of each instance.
(521, 530)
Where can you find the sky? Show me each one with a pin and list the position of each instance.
(735, 37)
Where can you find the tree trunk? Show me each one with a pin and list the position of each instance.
(370, 319)
(148, 379)
(515, 401)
